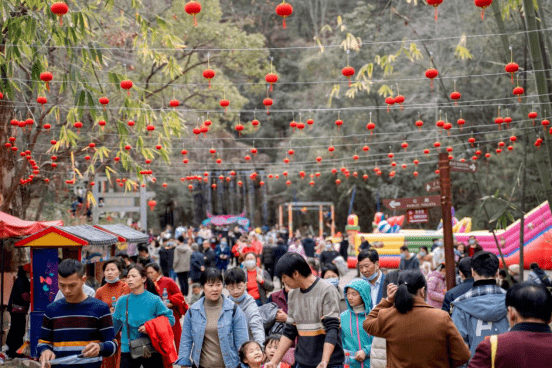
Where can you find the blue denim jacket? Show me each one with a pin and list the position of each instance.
(232, 328)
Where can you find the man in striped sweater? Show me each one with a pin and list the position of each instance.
(313, 317)
(77, 327)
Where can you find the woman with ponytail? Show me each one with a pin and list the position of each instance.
(143, 304)
(417, 335)
(110, 293)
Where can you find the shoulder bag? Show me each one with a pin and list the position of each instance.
(140, 347)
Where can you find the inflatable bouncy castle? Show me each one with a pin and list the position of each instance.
(537, 240)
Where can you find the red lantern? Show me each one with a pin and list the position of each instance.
(247, 158)
(371, 126)
(47, 126)
(267, 102)
(488, 155)
(288, 183)
(334, 171)
(150, 128)
(513, 138)
(291, 152)
(197, 131)
(400, 99)
(391, 155)
(300, 126)
(14, 122)
(415, 174)
(366, 148)
(130, 123)
(47, 77)
(127, 147)
(339, 123)
(271, 78)
(461, 122)
(437, 144)
(508, 121)
(419, 124)
(355, 157)
(510, 148)
(152, 204)
(416, 162)
(59, 9)
(511, 68)
(331, 149)
(209, 74)
(78, 125)
(390, 101)
(405, 145)
(255, 123)
(455, 96)
(284, 10)
(102, 123)
(214, 185)
(545, 123)
(286, 160)
(393, 164)
(449, 149)
(310, 121)
(440, 124)
(426, 151)
(478, 152)
(224, 103)
(338, 181)
(348, 72)
(483, 4)
(518, 91)
(499, 121)
(41, 100)
(533, 115)
(104, 101)
(219, 161)
(174, 103)
(239, 127)
(435, 4)
(447, 127)
(431, 73)
(126, 85)
(319, 159)
(193, 8)
(472, 140)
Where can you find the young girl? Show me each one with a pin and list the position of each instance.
(251, 355)
(271, 346)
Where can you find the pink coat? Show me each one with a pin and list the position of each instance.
(436, 289)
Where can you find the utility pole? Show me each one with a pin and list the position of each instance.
(445, 188)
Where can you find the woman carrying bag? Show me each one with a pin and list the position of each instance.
(131, 313)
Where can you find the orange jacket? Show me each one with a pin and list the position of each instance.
(161, 333)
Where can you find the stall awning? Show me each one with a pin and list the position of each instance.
(93, 236)
(124, 233)
(52, 237)
(11, 226)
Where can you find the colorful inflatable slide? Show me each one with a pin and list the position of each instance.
(537, 241)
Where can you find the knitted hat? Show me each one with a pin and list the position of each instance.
(514, 269)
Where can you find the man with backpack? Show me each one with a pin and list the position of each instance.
(538, 276)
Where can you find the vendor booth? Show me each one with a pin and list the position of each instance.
(127, 238)
(84, 243)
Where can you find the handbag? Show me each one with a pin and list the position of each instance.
(140, 347)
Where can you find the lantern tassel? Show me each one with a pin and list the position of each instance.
(401, 107)
(431, 85)
(512, 81)
(47, 86)
(482, 15)
(195, 21)
(436, 13)
(388, 109)
(271, 87)
(61, 20)
(268, 110)
(349, 79)
(283, 22)
(455, 102)
(519, 99)
(209, 83)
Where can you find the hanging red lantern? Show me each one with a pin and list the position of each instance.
(488, 155)
(319, 159)
(197, 131)
(371, 126)
(285, 173)
(312, 183)
(393, 164)
(214, 185)
(239, 127)
(14, 122)
(127, 147)
(131, 123)
(339, 123)
(334, 171)
(426, 152)
(355, 157)
(511, 68)
(78, 125)
(499, 121)
(390, 101)
(286, 160)
(212, 151)
(152, 204)
(478, 152)
(416, 162)
(219, 161)
(59, 9)
(291, 152)
(449, 149)
(150, 128)
(127, 85)
(224, 103)
(460, 122)
(310, 121)
(338, 181)
(404, 146)
(518, 91)
(455, 95)
(472, 140)
(255, 123)
(419, 124)
(46, 77)
(391, 155)
(302, 174)
(508, 121)
(253, 151)
(21, 124)
(431, 73)
(42, 100)
(533, 115)
(288, 183)
(271, 78)
(483, 4)
(209, 74)
(447, 127)
(47, 126)
(193, 8)
(510, 148)
(284, 10)
(513, 138)
(190, 187)
(498, 151)
(174, 103)
(404, 166)
(501, 144)
(538, 142)
(437, 144)
(267, 102)
(300, 126)
(545, 123)
(104, 101)
(348, 72)
(435, 4)
(102, 123)
(293, 125)
(400, 99)
(247, 158)
(366, 148)
(440, 123)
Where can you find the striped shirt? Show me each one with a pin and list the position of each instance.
(67, 329)
(314, 318)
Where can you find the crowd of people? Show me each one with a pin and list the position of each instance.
(197, 298)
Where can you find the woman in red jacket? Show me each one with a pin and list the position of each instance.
(171, 295)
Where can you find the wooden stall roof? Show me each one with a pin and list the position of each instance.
(52, 237)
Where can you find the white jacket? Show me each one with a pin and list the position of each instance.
(378, 352)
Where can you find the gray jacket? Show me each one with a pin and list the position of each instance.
(181, 260)
(253, 317)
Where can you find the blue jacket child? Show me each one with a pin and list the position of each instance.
(354, 337)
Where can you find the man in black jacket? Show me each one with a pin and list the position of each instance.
(210, 259)
(465, 272)
(309, 246)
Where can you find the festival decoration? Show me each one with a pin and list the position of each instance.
(483, 4)
(46, 77)
(59, 9)
(284, 10)
(193, 8)
(431, 73)
(435, 4)
(127, 85)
